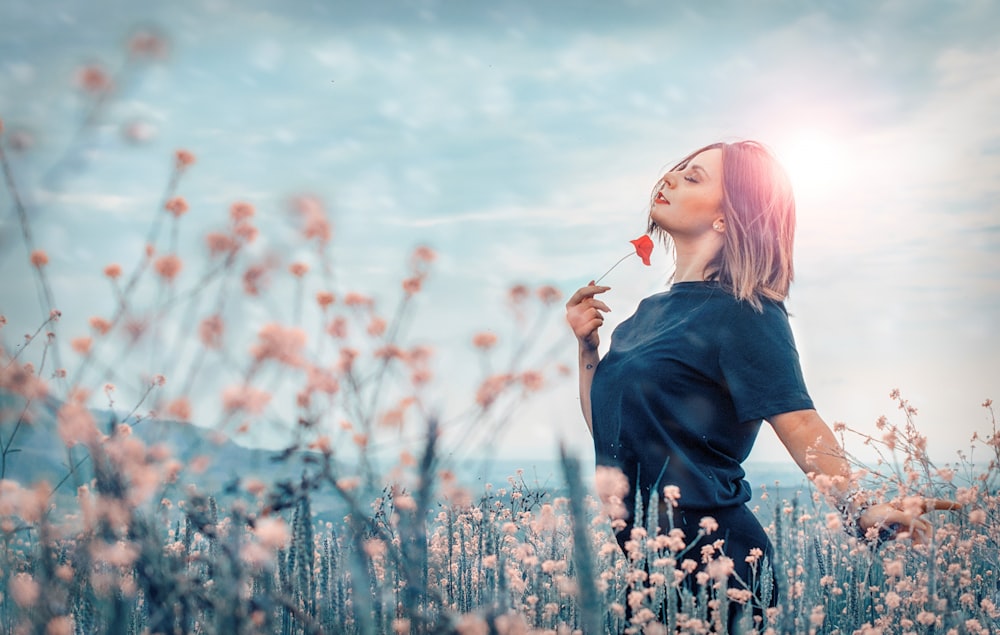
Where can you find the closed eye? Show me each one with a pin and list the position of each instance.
(690, 179)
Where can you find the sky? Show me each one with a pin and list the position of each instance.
(520, 140)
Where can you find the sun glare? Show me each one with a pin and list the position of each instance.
(815, 160)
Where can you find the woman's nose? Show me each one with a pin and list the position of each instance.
(668, 181)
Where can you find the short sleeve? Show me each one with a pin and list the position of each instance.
(760, 364)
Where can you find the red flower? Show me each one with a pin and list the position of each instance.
(643, 248)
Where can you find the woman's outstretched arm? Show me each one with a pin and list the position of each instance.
(584, 314)
(815, 449)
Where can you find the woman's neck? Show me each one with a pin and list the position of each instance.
(694, 257)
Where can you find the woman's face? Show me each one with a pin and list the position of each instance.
(687, 201)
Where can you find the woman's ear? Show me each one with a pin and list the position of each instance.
(719, 224)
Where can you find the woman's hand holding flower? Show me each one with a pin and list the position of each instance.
(583, 310)
(584, 314)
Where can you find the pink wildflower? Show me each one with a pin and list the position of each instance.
(834, 522)
(412, 285)
(245, 398)
(254, 486)
(272, 532)
(100, 325)
(93, 79)
(518, 294)
(241, 211)
(282, 344)
(894, 568)
(211, 331)
(817, 616)
(119, 554)
(347, 357)
(253, 279)
(337, 327)
(22, 380)
(672, 493)
(219, 243)
(708, 524)
(183, 159)
(298, 269)
(324, 299)
(358, 300)
(348, 483)
(376, 326)
(24, 590)
(81, 345)
(168, 266)
(721, 568)
(60, 625)
(147, 44)
(180, 409)
(484, 340)
(423, 254)
(177, 206)
(113, 271)
(322, 443)
(926, 618)
(472, 624)
(612, 486)
(245, 231)
(548, 294)
(138, 131)
(315, 224)
(741, 596)
(39, 258)
(977, 516)
(321, 380)
(491, 388)
(532, 380)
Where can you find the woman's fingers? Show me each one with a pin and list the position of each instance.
(597, 304)
(904, 517)
(940, 504)
(585, 313)
(584, 293)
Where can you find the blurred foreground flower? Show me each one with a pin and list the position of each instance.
(643, 248)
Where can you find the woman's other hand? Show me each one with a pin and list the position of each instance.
(905, 517)
(584, 312)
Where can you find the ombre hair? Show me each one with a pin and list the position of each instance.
(758, 206)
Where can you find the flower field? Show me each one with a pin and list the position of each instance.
(360, 522)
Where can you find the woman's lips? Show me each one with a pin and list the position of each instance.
(660, 199)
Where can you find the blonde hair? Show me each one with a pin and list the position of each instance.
(759, 209)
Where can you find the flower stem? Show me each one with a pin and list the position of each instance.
(631, 253)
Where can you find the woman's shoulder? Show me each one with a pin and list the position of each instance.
(712, 297)
(744, 320)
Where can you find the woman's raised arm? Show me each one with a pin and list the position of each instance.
(584, 314)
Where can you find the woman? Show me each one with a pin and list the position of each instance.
(681, 393)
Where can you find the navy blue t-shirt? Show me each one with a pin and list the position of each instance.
(680, 395)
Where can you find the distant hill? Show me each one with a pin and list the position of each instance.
(39, 454)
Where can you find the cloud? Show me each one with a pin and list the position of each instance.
(114, 204)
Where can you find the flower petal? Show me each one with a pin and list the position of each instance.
(643, 248)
